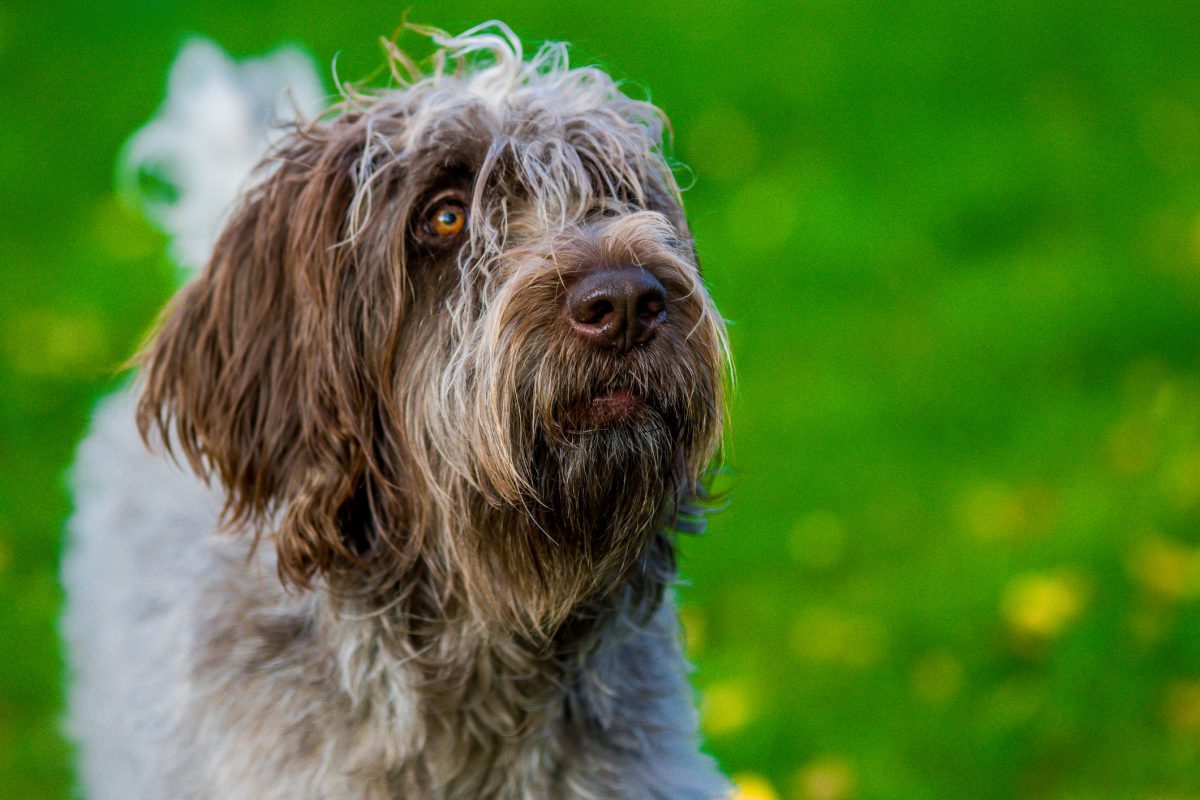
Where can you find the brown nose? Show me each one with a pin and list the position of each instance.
(617, 307)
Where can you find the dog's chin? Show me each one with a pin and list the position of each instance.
(607, 475)
(610, 409)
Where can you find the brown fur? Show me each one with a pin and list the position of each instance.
(403, 424)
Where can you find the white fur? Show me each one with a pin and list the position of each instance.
(148, 573)
(123, 565)
(129, 547)
(217, 121)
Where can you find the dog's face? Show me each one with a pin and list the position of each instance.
(458, 325)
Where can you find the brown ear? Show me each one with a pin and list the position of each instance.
(255, 375)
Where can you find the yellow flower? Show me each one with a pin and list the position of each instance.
(826, 778)
(1041, 605)
(1181, 706)
(725, 708)
(1166, 568)
(748, 786)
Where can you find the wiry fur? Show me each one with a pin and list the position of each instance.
(471, 593)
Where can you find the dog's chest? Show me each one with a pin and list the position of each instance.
(491, 721)
(354, 718)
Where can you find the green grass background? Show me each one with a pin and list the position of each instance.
(959, 247)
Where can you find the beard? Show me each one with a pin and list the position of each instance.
(605, 493)
(604, 486)
(607, 450)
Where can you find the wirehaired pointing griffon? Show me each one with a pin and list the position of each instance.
(448, 384)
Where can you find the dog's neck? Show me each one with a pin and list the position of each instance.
(420, 611)
(486, 694)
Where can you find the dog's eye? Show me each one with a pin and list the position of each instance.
(444, 218)
(448, 220)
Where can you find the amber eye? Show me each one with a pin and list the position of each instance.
(444, 218)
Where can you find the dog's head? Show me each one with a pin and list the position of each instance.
(458, 323)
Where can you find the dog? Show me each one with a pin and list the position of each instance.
(390, 509)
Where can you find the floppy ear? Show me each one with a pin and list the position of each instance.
(259, 372)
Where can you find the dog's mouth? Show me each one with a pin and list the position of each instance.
(613, 405)
(605, 408)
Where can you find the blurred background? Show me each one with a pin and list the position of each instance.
(959, 247)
